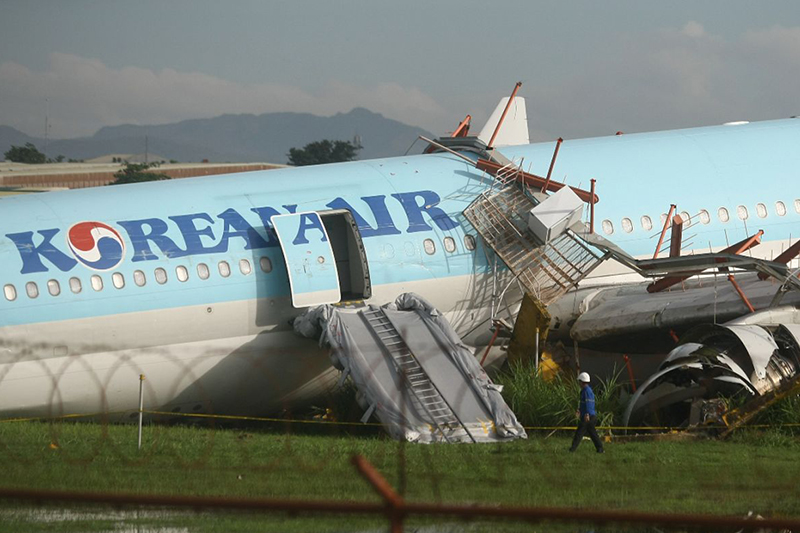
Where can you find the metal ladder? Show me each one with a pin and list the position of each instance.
(546, 271)
(424, 393)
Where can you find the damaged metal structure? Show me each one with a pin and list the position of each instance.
(411, 371)
(722, 374)
(731, 335)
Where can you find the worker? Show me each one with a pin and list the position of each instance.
(587, 416)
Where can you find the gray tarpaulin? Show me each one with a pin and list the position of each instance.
(450, 366)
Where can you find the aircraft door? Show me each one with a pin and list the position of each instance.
(310, 262)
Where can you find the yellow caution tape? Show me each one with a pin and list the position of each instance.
(261, 418)
(370, 424)
(64, 417)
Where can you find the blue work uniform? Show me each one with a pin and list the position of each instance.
(587, 426)
(587, 402)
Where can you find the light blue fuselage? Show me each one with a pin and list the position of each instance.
(398, 203)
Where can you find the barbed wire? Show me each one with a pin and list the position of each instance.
(101, 386)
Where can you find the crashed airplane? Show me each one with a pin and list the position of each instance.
(197, 284)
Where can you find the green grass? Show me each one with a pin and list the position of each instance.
(541, 403)
(753, 472)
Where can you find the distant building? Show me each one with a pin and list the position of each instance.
(94, 174)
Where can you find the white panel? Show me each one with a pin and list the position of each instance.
(309, 258)
(552, 217)
(759, 344)
(514, 130)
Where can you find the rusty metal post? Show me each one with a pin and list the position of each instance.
(552, 164)
(591, 206)
(676, 236)
(741, 293)
(462, 511)
(141, 406)
(736, 249)
(530, 180)
(463, 127)
(784, 258)
(497, 327)
(664, 230)
(394, 502)
(505, 112)
(630, 371)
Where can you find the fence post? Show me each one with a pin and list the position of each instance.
(537, 351)
(395, 504)
(141, 405)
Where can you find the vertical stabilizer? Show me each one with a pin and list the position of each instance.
(514, 130)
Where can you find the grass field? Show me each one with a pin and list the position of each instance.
(753, 472)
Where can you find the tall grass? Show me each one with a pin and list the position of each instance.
(783, 415)
(541, 403)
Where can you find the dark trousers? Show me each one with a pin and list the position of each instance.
(585, 427)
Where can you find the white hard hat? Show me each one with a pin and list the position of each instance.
(584, 377)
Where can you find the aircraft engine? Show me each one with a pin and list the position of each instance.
(715, 368)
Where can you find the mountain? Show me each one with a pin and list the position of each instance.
(235, 138)
(9, 136)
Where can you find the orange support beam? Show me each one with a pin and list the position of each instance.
(461, 131)
(735, 249)
(534, 181)
(463, 127)
(591, 206)
(497, 327)
(503, 116)
(664, 230)
(741, 293)
(630, 371)
(787, 255)
(676, 236)
(552, 164)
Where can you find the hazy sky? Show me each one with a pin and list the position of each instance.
(588, 67)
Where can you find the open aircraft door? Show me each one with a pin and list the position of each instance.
(310, 262)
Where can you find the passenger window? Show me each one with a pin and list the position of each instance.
(797, 205)
(430, 246)
(118, 280)
(663, 219)
(723, 214)
(97, 283)
(469, 242)
(265, 264)
(647, 223)
(224, 269)
(449, 244)
(138, 278)
(244, 266)
(780, 208)
(11, 292)
(761, 210)
(705, 218)
(75, 285)
(686, 217)
(608, 227)
(182, 273)
(627, 225)
(161, 275)
(32, 289)
(202, 271)
(741, 212)
(53, 287)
